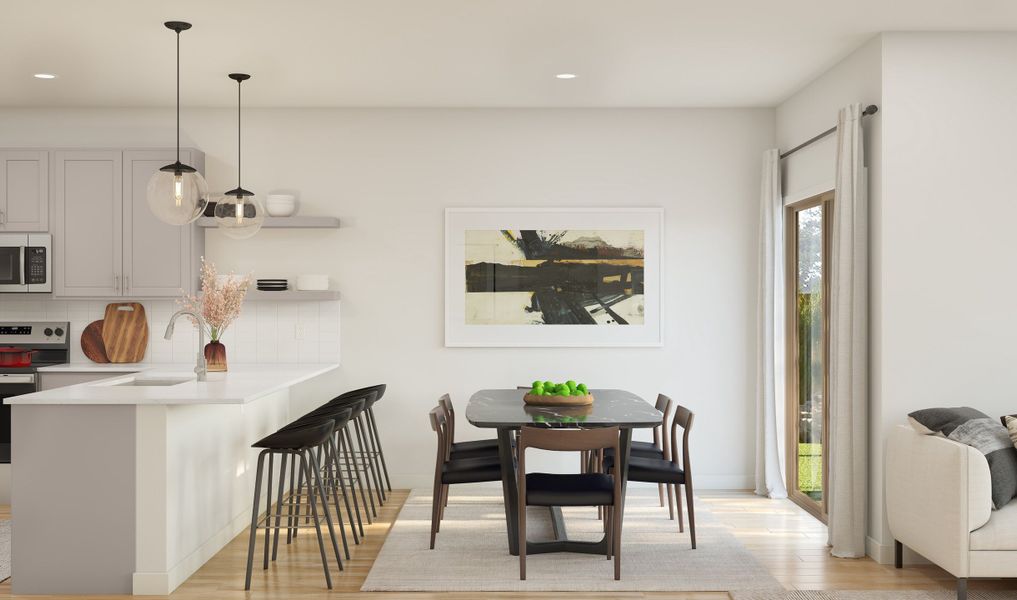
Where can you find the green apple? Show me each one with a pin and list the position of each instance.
(571, 384)
(537, 389)
(578, 393)
(582, 387)
(537, 384)
(549, 384)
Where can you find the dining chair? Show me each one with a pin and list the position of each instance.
(471, 449)
(669, 470)
(448, 471)
(660, 447)
(576, 489)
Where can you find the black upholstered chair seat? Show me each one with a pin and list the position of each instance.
(475, 449)
(295, 439)
(651, 470)
(581, 489)
(640, 449)
(470, 471)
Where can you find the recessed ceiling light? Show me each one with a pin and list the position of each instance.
(566, 75)
(45, 76)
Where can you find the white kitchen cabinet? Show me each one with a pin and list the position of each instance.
(159, 259)
(88, 223)
(24, 190)
(106, 241)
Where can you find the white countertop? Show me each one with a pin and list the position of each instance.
(240, 385)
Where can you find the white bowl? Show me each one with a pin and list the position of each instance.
(312, 282)
(280, 205)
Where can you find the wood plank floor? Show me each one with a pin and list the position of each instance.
(785, 538)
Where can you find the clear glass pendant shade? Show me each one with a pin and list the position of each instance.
(177, 198)
(239, 217)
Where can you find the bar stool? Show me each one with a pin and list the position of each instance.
(372, 425)
(300, 443)
(360, 454)
(331, 471)
(371, 448)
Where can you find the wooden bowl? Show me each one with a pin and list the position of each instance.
(536, 400)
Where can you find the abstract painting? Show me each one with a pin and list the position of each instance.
(553, 277)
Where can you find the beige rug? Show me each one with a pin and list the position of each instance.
(874, 595)
(471, 553)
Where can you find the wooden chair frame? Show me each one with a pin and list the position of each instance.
(570, 440)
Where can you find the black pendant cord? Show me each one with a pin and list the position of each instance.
(178, 97)
(239, 146)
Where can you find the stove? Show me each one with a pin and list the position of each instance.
(51, 342)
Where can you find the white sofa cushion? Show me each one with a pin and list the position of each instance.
(1000, 533)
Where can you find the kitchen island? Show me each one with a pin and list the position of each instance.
(128, 484)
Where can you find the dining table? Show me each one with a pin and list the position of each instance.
(505, 411)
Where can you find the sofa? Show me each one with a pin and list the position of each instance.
(938, 503)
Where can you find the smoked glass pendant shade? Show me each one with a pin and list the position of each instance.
(177, 197)
(239, 216)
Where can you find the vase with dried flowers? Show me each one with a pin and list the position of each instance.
(219, 305)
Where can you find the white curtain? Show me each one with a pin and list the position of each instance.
(848, 400)
(770, 339)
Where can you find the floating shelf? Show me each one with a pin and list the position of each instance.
(285, 222)
(293, 295)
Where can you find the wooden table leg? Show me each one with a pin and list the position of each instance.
(509, 489)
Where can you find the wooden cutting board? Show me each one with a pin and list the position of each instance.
(125, 332)
(91, 342)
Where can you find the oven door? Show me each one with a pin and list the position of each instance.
(11, 384)
(12, 263)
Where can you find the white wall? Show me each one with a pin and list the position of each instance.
(813, 109)
(388, 174)
(949, 294)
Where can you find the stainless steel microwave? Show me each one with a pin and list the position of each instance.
(26, 262)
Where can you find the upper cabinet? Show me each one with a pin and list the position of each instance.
(162, 258)
(106, 240)
(24, 190)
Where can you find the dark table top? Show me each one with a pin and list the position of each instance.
(505, 408)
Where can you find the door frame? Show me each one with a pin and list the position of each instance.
(825, 200)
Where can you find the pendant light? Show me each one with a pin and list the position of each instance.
(239, 214)
(177, 193)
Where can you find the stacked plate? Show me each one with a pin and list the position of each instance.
(272, 285)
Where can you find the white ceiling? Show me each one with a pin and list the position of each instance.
(449, 53)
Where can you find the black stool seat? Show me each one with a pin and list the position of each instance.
(651, 470)
(296, 439)
(582, 489)
(455, 471)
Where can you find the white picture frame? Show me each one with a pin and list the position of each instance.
(458, 333)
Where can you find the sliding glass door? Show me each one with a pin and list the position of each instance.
(808, 242)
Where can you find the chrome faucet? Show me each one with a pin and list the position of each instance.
(200, 369)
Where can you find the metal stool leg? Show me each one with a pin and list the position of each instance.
(352, 457)
(268, 509)
(342, 487)
(279, 506)
(377, 442)
(254, 519)
(290, 521)
(335, 496)
(349, 474)
(323, 497)
(365, 464)
(317, 525)
(367, 452)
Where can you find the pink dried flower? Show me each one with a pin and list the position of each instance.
(219, 302)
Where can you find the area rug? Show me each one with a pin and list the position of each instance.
(874, 595)
(5, 550)
(471, 553)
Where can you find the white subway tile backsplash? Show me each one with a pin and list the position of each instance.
(288, 332)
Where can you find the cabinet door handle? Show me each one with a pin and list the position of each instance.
(116, 282)
(3, 217)
(127, 284)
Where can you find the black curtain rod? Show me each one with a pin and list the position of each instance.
(869, 110)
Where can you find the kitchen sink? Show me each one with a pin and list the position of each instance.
(155, 382)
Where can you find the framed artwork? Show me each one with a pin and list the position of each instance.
(553, 277)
